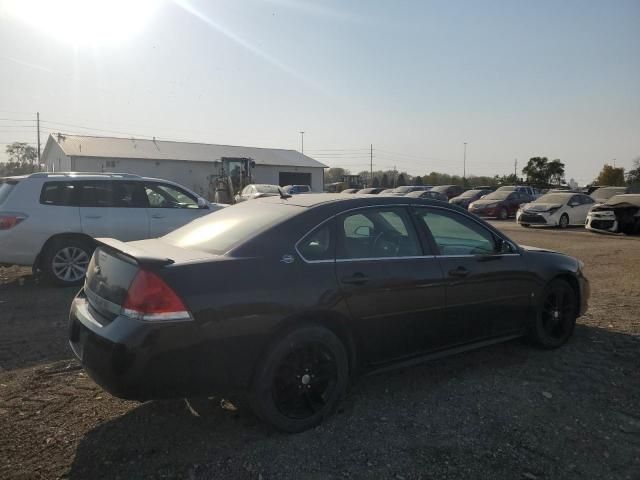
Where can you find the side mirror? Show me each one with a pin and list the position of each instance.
(202, 203)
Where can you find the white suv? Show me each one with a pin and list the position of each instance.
(49, 221)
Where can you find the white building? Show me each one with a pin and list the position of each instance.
(194, 165)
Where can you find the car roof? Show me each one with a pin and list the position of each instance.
(315, 199)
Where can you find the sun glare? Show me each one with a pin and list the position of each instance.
(84, 22)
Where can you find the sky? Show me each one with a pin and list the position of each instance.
(415, 79)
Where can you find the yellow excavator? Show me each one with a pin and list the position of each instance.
(234, 175)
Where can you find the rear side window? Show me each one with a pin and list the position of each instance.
(96, 194)
(58, 193)
(319, 244)
(5, 190)
(457, 235)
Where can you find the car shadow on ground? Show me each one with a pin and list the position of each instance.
(500, 412)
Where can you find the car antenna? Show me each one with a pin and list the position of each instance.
(282, 194)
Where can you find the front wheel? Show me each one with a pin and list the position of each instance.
(301, 379)
(65, 261)
(556, 316)
(503, 214)
(564, 221)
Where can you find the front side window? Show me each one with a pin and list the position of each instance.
(167, 196)
(129, 195)
(456, 235)
(377, 233)
(319, 244)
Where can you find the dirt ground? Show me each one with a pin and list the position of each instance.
(504, 412)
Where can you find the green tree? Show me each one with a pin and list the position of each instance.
(633, 175)
(610, 175)
(375, 183)
(385, 181)
(401, 180)
(335, 174)
(542, 173)
(23, 158)
(417, 181)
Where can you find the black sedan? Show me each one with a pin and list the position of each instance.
(288, 298)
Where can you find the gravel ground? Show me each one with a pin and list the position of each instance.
(508, 411)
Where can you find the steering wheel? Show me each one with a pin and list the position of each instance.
(392, 243)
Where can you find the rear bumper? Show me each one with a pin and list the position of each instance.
(140, 361)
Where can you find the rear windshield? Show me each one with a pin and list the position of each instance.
(6, 186)
(507, 189)
(224, 229)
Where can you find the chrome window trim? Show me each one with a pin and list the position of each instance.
(377, 259)
(438, 207)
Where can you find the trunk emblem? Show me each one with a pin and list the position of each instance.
(287, 258)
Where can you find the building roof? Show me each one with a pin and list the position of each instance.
(115, 147)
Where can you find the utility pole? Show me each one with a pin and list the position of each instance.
(38, 128)
(371, 166)
(302, 136)
(464, 164)
(515, 167)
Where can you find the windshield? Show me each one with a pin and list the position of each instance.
(497, 195)
(5, 189)
(405, 189)
(507, 188)
(222, 230)
(441, 188)
(605, 193)
(553, 198)
(470, 193)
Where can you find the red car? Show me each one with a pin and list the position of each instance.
(499, 204)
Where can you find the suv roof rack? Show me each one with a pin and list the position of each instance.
(80, 174)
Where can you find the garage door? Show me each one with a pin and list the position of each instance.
(294, 178)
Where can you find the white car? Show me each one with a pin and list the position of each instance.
(257, 190)
(558, 209)
(49, 221)
(619, 214)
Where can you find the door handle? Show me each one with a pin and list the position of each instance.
(355, 279)
(157, 216)
(459, 272)
(93, 216)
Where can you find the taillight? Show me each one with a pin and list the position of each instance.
(150, 299)
(10, 220)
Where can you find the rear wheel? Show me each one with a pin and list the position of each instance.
(65, 261)
(503, 214)
(301, 379)
(564, 221)
(556, 316)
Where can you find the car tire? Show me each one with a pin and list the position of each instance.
(525, 225)
(300, 380)
(65, 261)
(503, 214)
(556, 315)
(564, 221)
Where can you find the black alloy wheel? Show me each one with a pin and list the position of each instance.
(304, 381)
(557, 314)
(301, 379)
